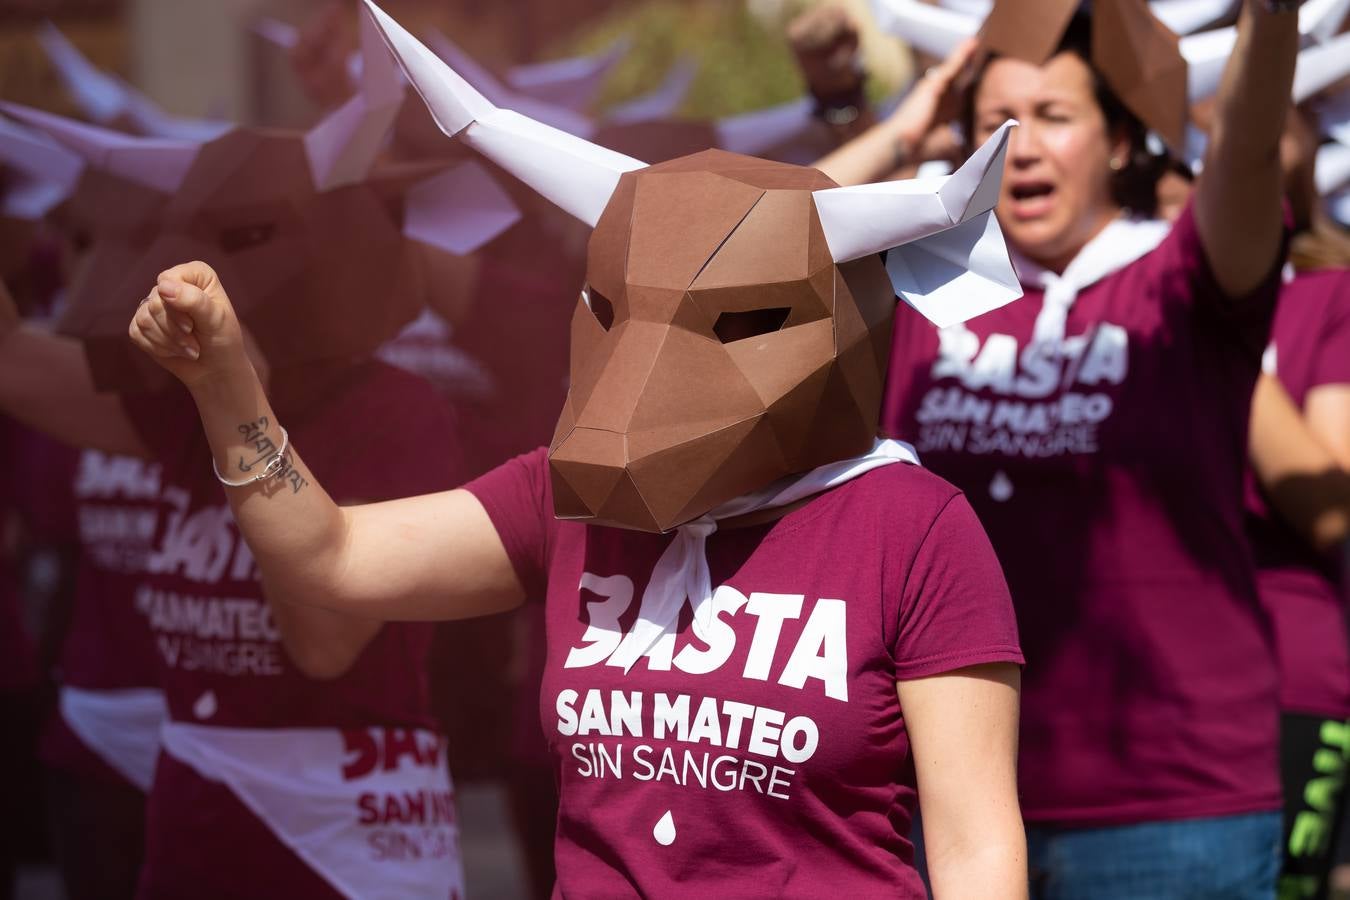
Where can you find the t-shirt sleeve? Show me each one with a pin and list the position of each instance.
(955, 609)
(1183, 269)
(1332, 363)
(516, 497)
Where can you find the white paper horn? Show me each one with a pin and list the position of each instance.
(576, 175)
(932, 29)
(106, 98)
(944, 250)
(1320, 66)
(343, 146)
(47, 172)
(158, 163)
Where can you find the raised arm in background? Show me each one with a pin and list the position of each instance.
(431, 557)
(46, 384)
(895, 140)
(1239, 193)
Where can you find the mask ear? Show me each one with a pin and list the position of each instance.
(458, 210)
(944, 250)
(574, 174)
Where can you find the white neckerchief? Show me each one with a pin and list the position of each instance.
(682, 571)
(1115, 247)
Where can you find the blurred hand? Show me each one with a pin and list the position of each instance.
(934, 99)
(188, 326)
(825, 42)
(319, 58)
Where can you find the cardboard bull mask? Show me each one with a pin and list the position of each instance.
(735, 324)
(325, 258)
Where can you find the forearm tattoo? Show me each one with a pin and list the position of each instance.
(283, 472)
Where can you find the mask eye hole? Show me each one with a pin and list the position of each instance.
(232, 240)
(599, 306)
(737, 326)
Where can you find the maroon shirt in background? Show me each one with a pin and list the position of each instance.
(107, 509)
(18, 657)
(817, 615)
(1300, 589)
(1110, 482)
(379, 434)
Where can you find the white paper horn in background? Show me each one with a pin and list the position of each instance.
(1207, 53)
(574, 82)
(105, 98)
(1333, 168)
(1320, 66)
(944, 250)
(343, 146)
(481, 79)
(1189, 16)
(932, 29)
(158, 163)
(576, 175)
(46, 173)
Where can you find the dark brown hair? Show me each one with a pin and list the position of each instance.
(1135, 186)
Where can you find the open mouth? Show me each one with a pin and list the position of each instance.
(1031, 198)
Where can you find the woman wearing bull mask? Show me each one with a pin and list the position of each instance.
(775, 701)
(1109, 408)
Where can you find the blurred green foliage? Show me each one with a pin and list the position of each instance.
(742, 65)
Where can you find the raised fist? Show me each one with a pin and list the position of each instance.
(187, 325)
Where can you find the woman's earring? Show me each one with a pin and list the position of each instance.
(1116, 164)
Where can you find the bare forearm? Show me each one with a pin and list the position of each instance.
(46, 384)
(1301, 477)
(870, 157)
(991, 868)
(295, 530)
(1239, 193)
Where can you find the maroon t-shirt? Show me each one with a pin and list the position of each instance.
(1301, 590)
(109, 507)
(378, 434)
(773, 759)
(18, 658)
(1108, 473)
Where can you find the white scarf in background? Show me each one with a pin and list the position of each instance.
(1119, 244)
(120, 726)
(681, 573)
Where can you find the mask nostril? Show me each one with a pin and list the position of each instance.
(599, 306)
(737, 326)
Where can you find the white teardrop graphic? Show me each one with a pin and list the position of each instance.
(1001, 488)
(206, 705)
(664, 832)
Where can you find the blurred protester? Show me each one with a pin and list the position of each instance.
(309, 749)
(942, 647)
(21, 683)
(1298, 519)
(1098, 427)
